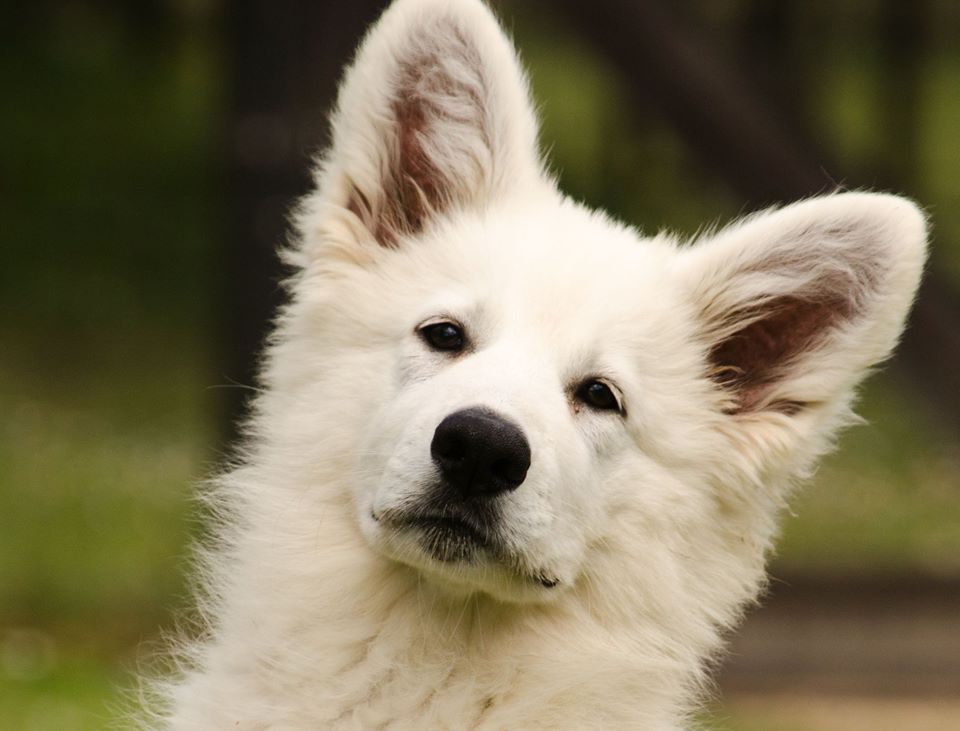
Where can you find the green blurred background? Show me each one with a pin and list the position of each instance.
(127, 196)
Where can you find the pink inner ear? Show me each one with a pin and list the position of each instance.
(412, 185)
(418, 186)
(438, 111)
(750, 361)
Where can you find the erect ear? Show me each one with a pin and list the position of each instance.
(434, 115)
(796, 305)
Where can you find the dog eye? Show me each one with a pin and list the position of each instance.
(444, 336)
(598, 395)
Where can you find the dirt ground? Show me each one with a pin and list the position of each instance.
(785, 712)
(846, 655)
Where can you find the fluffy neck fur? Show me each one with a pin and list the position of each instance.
(350, 639)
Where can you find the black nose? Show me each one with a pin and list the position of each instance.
(480, 454)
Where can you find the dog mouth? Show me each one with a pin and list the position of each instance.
(450, 539)
(447, 538)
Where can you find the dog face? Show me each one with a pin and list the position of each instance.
(521, 365)
(521, 388)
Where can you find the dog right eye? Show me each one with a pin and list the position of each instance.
(444, 336)
(598, 395)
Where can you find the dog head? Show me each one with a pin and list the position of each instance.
(514, 389)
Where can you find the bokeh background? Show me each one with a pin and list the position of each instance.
(149, 152)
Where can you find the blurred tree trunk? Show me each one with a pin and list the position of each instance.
(285, 59)
(768, 45)
(750, 142)
(903, 43)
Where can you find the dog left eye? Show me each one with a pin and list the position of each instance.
(444, 336)
(598, 395)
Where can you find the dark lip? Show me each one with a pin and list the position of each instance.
(448, 524)
(458, 529)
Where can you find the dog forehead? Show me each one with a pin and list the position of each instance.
(555, 264)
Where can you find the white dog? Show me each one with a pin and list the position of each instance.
(515, 466)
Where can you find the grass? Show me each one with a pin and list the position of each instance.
(47, 685)
(886, 501)
(95, 483)
(95, 494)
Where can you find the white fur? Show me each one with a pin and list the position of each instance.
(656, 524)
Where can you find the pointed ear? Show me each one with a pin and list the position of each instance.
(434, 115)
(796, 305)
